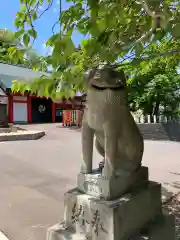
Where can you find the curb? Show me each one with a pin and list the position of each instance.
(22, 137)
(3, 237)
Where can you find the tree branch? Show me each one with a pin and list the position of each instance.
(29, 14)
(55, 25)
(152, 56)
(49, 6)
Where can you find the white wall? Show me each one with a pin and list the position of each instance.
(20, 112)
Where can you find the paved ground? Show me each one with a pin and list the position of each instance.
(35, 174)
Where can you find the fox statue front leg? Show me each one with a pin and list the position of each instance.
(111, 149)
(87, 146)
(102, 153)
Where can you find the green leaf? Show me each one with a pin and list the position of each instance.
(26, 39)
(69, 47)
(32, 33)
(101, 25)
(20, 15)
(158, 36)
(176, 30)
(84, 43)
(136, 61)
(52, 40)
(19, 33)
(32, 2)
(18, 23)
(138, 49)
(23, 8)
(34, 15)
(163, 23)
(12, 49)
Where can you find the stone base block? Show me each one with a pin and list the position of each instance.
(161, 229)
(59, 232)
(95, 185)
(96, 219)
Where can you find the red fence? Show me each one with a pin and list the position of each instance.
(72, 117)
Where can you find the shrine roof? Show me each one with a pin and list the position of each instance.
(8, 73)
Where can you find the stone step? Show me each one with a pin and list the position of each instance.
(154, 137)
(160, 136)
(155, 134)
(158, 131)
(59, 232)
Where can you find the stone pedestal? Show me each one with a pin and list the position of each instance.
(163, 228)
(96, 217)
(96, 185)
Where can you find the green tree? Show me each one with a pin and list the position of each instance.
(10, 48)
(155, 84)
(160, 94)
(12, 51)
(115, 29)
(34, 61)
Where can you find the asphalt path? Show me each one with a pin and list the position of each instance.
(34, 175)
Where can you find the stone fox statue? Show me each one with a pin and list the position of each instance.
(108, 118)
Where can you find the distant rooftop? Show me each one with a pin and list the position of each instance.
(8, 73)
(20, 65)
(2, 92)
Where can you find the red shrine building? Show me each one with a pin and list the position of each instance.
(29, 108)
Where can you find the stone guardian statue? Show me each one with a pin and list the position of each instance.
(107, 117)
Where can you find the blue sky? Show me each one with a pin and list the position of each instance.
(44, 25)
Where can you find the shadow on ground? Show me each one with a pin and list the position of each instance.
(167, 193)
(72, 128)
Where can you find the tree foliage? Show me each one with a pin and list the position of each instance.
(10, 48)
(154, 86)
(115, 31)
(34, 61)
(13, 51)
